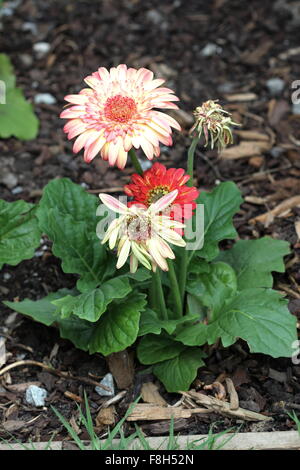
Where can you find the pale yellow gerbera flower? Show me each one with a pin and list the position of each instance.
(142, 234)
(118, 112)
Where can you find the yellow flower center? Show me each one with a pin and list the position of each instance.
(138, 228)
(119, 108)
(156, 193)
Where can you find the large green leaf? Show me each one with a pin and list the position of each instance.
(41, 310)
(91, 305)
(219, 207)
(70, 199)
(260, 317)
(153, 348)
(151, 323)
(118, 327)
(16, 114)
(254, 260)
(214, 288)
(19, 232)
(67, 214)
(178, 373)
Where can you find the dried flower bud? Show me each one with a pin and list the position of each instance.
(215, 124)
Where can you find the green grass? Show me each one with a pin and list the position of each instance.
(125, 443)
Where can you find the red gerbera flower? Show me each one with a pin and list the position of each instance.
(157, 182)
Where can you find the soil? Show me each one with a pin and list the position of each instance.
(251, 43)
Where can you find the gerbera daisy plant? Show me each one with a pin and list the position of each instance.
(141, 282)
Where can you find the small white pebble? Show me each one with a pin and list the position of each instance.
(35, 395)
(44, 98)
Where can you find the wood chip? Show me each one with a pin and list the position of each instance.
(2, 351)
(297, 228)
(218, 388)
(241, 97)
(72, 396)
(150, 394)
(121, 367)
(21, 387)
(252, 135)
(222, 407)
(245, 149)
(234, 399)
(13, 425)
(278, 211)
(147, 412)
(106, 417)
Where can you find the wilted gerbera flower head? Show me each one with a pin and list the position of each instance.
(159, 181)
(142, 234)
(215, 123)
(117, 113)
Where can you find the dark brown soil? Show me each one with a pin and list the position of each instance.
(255, 42)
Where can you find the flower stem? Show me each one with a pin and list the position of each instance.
(184, 259)
(175, 288)
(135, 162)
(160, 295)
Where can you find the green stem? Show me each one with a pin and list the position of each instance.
(135, 162)
(184, 259)
(160, 295)
(175, 288)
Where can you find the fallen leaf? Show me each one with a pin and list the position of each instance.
(245, 149)
(150, 394)
(22, 387)
(252, 135)
(256, 162)
(13, 425)
(276, 111)
(241, 97)
(255, 56)
(278, 211)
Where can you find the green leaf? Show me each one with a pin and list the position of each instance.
(118, 327)
(70, 199)
(178, 373)
(79, 251)
(214, 288)
(219, 207)
(91, 305)
(7, 72)
(151, 323)
(19, 232)
(260, 317)
(153, 349)
(193, 335)
(41, 310)
(254, 260)
(67, 214)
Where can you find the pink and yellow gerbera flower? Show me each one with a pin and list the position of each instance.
(118, 112)
(142, 234)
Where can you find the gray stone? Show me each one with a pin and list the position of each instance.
(41, 49)
(26, 59)
(29, 26)
(145, 164)
(8, 179)
(296, 108)
(44, 98)
(35, 395)
(154, 16)
(276, 152)
(107, 381)
(211, 49)
(17, 190)
(6, 276)
(275, 86)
